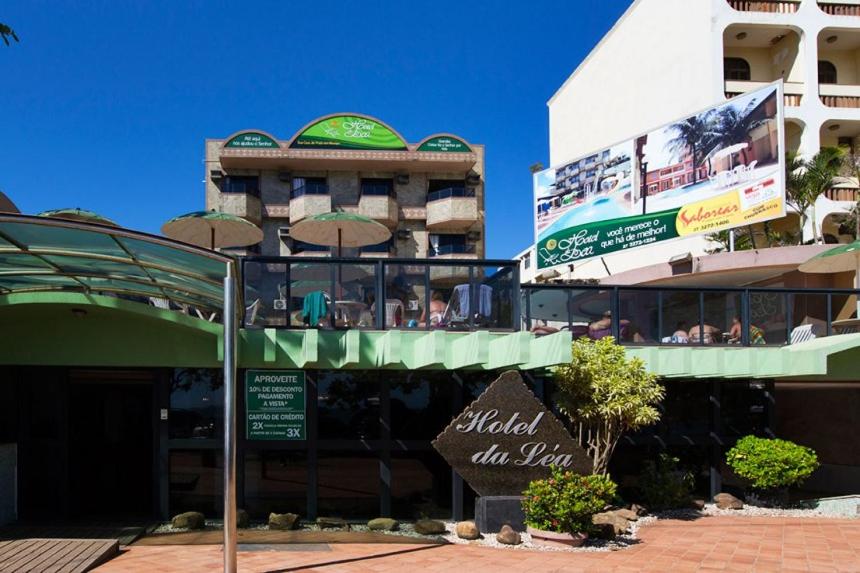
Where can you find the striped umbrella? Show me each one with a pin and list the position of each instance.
(340, 230)
(212, 229)
(80, 215)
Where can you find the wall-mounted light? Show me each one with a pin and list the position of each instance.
(831, 39)
(777, 39)
(741, 36)
(834, 127)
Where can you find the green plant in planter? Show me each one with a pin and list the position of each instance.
(565, 501)
(771, 465)
(663, 485)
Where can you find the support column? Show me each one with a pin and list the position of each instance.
(230, 420)
(456, 480)
(716, 431)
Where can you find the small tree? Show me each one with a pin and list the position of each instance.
(807, 180)
(606, 394)
(771, 464)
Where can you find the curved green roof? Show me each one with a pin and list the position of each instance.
(349, 132)
(45, 254)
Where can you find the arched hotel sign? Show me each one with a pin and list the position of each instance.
(445, 144)
(507, 438)
(253, 139)
(348, 132)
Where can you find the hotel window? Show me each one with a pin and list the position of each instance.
(383, 187)
(196, 404)
(249, 184)
(826, 72)
(527, 261)
(449, 245)
(309, 186)
(736, 69)
(445, 188)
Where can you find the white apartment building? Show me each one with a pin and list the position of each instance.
(664, 59)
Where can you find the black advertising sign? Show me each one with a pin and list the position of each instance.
(275, 404)
(507, 438)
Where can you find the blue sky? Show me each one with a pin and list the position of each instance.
(105, 105)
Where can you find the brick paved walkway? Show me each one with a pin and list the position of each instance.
(711, 543)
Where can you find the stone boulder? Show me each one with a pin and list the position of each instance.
(243, 520)
(383, 524)
(332, 523)
(467, 530)
(189, 520)
(604, 531)
(697, 503)
(728, 501)
(627, 514)
(640, 510)
(283, 521)
(507, 536)
(619, 524)
(429, 527)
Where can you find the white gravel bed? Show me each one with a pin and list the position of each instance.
(489, 540)
(758, 511)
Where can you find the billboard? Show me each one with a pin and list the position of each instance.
(714, 170)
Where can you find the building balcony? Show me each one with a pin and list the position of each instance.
(833, 95)
(308, 205)
(454, 209)
(773, 6)
(792, 92)
(837, 8)
(382, 208)
(242, 205)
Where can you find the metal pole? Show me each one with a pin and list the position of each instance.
(731, 240)
(230, 420)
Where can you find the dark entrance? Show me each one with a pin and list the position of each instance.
(110, 446)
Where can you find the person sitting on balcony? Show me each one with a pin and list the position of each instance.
(756, 333)
(706, 333)
(437, 310)
(603, 327)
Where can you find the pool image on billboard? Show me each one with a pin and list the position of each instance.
(718, 169)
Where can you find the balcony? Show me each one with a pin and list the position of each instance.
(382, 208)
(748, 53)
(791, 95)
(451, 209)
(839, 8)
(309, 200)
(244, 205)
(773, 6)
(838, 60)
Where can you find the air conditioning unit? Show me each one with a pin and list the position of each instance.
(473, 178)
(402, 179)
(473, 236)
(403, 234)
(279, 304)
(285, 176)
(216, 174)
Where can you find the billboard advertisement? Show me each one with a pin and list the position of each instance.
(715, 170)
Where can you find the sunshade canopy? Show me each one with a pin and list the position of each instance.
(212, 229)
(78, 214)
(6, 204)
(45, 254)
(731, 149)
(841, 259)
(340, 230)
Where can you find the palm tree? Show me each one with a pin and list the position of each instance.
(692, 135)
(6, 32)
(734, 125)
(807, 180)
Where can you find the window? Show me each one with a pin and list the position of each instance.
(249, 184)
(444, 188)
(527, 260)
(826, 72)
(384, 247)
(737, 69)
(302, 247)
(309, 186)
(196, 403)
(448, 245)
(377, 187)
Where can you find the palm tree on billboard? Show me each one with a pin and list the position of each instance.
(692, 135)
(734, 125)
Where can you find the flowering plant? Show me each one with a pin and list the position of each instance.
(565, 501)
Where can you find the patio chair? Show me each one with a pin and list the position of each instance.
(802, 333)
(748, 172)
(456, 314)
(251, 312)
(738, 174)
(161, 303)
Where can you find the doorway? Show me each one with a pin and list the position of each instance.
(110, 463)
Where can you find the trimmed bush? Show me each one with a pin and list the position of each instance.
(664, 486)
(771, 464)
(565, 501)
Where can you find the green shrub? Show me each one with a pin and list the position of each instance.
(771, 464)
(663, 485)
(565, 501)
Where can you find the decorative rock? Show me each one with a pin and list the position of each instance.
(332, 523)
(283, 521)
(429, 527)
(189, 520)
(604, 531)
(728, 501)
(243, 520)
(508, 536)
(383, 524)
(640, 510)
(627, 514)
(697, 504)
(618, 523)
(468, 530)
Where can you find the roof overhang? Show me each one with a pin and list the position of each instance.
(347, 160)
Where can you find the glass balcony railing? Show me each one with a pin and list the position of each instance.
(646, 315)
(450, 192)
(309, 189)
(453, 249)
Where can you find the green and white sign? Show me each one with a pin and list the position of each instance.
(275, 404)
(251, 139)
(348, 132)
(445, 144)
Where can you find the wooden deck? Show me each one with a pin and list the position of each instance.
(55, 555)
(124, 534)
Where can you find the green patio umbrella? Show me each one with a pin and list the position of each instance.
(340, 230)
(841, 259)
(80, 215)
(212, 229)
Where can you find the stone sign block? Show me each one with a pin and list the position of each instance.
(507, 438)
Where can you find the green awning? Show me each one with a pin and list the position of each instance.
(45, 254)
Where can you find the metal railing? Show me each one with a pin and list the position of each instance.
(309, 189)
(452, 249)
(381, 294)
(651, 315)
(450, 192)
(774, 6)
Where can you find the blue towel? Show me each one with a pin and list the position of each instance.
(485, 299)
